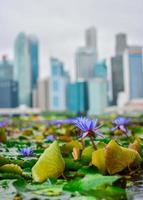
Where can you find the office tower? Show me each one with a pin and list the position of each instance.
(91, 38)
(77, 97)
(100, 69)
(9, 94)
(97, 93)
(6, 69)
(121, 43)
(133, 72)
(85, 63)
(23, 69)
(41, 95)
(58, 85)
(34, 59)
(117, 66)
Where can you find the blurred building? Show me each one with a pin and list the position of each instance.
(6, 69)
(34, 59)
(9, 94)
(97, 93)
(41, 95)
(77, 97)
(100, 69)
(86, 56)
(58, 85)
(91, 38)
(133, 72)
(121, 43)
(117, 65)
(23, 68)
(85, 62)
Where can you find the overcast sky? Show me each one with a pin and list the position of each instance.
(60, 26)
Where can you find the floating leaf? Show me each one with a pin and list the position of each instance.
(11, 168)
(118, 158)
(136, 145)
(3, 137)
(86, 155)
(68, 147)
(50, 164)
(98, 160)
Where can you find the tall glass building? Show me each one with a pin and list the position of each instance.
(77, 97)
(85, 63)
(34, 59)
(6, 69)
(22, 70)
(57, 85)
(98, 99)
(101, 69)
(133, 72)
(117, 70)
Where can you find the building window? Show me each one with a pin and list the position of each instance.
(56, 101)
(55, 85)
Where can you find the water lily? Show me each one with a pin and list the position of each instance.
(4, 122)
(50, 138)
(26, 151)
(120, 123)
(88, 127)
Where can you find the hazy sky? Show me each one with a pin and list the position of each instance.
(60, 25)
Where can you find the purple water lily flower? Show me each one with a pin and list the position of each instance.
(50, 138)
(26, 151)
(120, 123)
(86, 125)
(4, 122)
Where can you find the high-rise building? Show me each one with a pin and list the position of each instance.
(91, 38)
(23, 69)
(77, 97)
(101, 69)
(97, 93)
(41, 95)
(58, 86)
(85, 63)
(6, 69)
(121, 43)
(117, 66)
(34, 59)
(133, 72)
(9, 94)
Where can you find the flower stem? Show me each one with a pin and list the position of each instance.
(92, 141)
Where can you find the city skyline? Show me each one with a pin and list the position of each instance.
(60, 26)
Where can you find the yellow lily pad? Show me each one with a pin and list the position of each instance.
(118, 158)
(50, 164)
(86, 155)
(11, 168)
(98, 160)
(136, 145)
(114, 158)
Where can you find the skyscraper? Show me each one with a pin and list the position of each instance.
(86, 56)
(9, 94)
(6, 69)
(98, 99)
(77, 97)
(85, 63)
(91, 38)
(117, 69)
(34, 59)
(23, 68)
(121, 43)
(101, 69)
(57, 86)
(133, 72)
